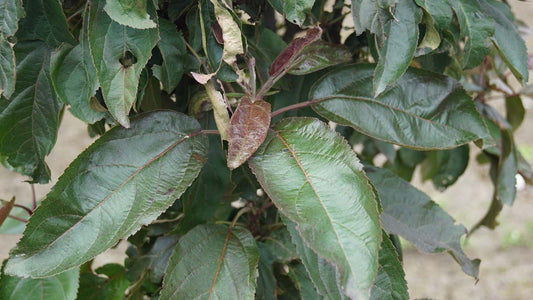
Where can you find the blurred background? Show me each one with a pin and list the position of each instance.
(506, 270)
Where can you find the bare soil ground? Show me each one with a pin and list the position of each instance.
(507, 253)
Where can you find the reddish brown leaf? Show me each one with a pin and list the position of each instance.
(248, 128)
(294, 48)
(5, 210)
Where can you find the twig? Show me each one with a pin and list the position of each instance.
(296, 106)
(33, 198)
(27, 209)
(18, 219)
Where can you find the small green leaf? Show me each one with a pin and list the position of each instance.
(317, 56)
(74, 77)
(412, 215)
(111, 286)
(248, 129)
(44, 20)
(440, 11)
(507, 39)
(153, 263)
(266, 281)
(444, 167)
(173, 50)
(303, 283)
(397, 47)
(390, 282)
(421, 110)
(59, 287)
(302, 166)
(296, 10)
(119, 53)
(212, 262)
(476, 28)
(132, 13)
(30, 119)
(515, 111)
(135, 174)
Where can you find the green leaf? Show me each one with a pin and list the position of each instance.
(173, 51)
(130, 13)
(319, 55)
(390, 282)
(74, 77)
(371, 15)
(476, 28)
(280, 245)
(45, 21)
(296, 10)
(397, 47)
(303, 283)
(5, 210)
(111, 286)
(119, 53)
(444, 167)
(422, 110)
(135, 174)
(322, 273)
(515, 111)
(440, 11)
(415, 217)
(30, 119)
(10, 13)
(212, 262)
(266, 281)
(507, 39)
(151, 99)
(7, 68)
(248, 129)
(302, 166)
(59, 287)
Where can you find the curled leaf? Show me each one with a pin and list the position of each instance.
(219, 108)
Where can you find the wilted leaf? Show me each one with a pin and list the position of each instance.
(220, 110)
(231, 34)
(59, 287)
(119, 53)
(74, 77)
(5, 210)
(302, 166)
(412, 215)
(421, 110)
(212, 262)
(248, 129)
(44, 20)
(317, 56)
(30, 119)
(124, 180)
(397, 47)
(131, 13)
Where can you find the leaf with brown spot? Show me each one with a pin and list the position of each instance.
(248, 129)
(5, 210)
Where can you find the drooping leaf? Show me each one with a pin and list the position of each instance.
(30, 119)
(390, 282)
(283, 60)
(124, 180)
(59, 287)
(507, 39)
(212, 262)
(130, 13)
(476, 27)
(397, 48)
(247, 131)
(44, 20)
(317, 56)
(295, 10)
(111, 286)
(515, 111)
(421, 110)
(322, 273)
(173, 50)
(5, 210)
(74, 77)
(444, 167)
(371, 15)
(302, 165)
(231, 33)
(119, 53)
(220, 110)
(412, 215)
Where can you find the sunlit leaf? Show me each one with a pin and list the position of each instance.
(131, 13)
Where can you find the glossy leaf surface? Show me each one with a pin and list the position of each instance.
(119, 53)
(30, 119)
(415, 217)
(421, 110)
(59, 287)
(124, 180)
(397, 48)
(295, 168)
(212, 262)
(131, 13)
(248, 129)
